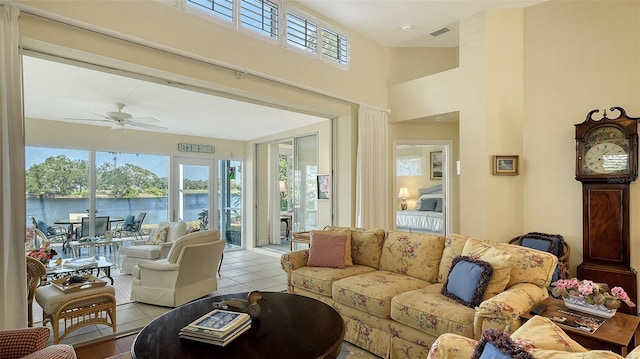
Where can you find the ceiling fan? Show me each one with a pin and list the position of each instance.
(121, 119)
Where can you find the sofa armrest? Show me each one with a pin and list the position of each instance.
(158, 266)
(503, 311)
(453, 346)
(291, 261)
(138, 242)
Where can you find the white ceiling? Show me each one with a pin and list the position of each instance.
(382, 20)
(57, 91)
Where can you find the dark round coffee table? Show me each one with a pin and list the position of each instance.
(290, 326)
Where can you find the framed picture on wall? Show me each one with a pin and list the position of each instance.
(436, 165)
(505, 165)
(324, 187)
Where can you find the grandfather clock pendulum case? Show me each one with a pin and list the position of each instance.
(606, 164)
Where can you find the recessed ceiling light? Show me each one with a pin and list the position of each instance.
(406, 27)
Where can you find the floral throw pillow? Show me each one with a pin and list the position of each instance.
(158, 235)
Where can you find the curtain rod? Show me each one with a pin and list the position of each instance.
(135, 40)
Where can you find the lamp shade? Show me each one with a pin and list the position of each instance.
(404, 192)
(283, 188)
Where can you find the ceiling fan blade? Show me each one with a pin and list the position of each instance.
(87, 119)
(99, 115)
(148, 127)
(144, 119)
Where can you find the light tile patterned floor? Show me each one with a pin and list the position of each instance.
(242, 271)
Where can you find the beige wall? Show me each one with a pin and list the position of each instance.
(408, 63)
(580, 56)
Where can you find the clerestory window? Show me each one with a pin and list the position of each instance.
(301, 32)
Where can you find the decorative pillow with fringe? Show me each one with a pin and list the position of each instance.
(495, 344)
(467, 281)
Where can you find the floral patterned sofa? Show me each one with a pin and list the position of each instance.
(539, 336)
(391, 300)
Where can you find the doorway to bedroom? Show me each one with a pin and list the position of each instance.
(422, 186)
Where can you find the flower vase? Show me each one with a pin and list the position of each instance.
(577, 303)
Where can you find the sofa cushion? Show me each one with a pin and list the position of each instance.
(428, 310)
(347, 235)
(372, 292)
(366, 246)
(320, 279)
(501, 261)
(145, 251)
(327, 250)
(495, 344)
(414, 254)
(592, 354)
(453, 246)
(542, 333)
(467, 281)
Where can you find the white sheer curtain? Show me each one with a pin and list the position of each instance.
(13, 310)
(372, 198)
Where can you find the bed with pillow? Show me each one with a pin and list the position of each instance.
(426, 216)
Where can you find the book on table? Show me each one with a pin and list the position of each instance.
(578, 321)
(81, 263)
(217, 327)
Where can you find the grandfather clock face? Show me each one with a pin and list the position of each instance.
(606, 151)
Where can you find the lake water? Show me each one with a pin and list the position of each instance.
(52, 209)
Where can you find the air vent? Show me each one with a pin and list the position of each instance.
(440, 32)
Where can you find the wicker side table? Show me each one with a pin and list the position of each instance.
(300, 237)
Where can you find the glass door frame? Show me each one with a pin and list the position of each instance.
(175, 183)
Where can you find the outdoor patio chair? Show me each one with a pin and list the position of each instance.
(102, 226)
(131, 225)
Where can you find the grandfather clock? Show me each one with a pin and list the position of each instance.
(606, 164)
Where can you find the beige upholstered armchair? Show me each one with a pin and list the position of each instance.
(141, 250)
(188, 272)
(31, 342)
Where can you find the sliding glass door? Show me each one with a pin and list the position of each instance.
(209, 196)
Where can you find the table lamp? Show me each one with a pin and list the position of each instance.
(404, 194)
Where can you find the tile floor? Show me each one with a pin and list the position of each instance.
(242, 271)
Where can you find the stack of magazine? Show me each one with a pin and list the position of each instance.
(219, 327)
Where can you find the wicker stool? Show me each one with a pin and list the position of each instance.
(76, 309)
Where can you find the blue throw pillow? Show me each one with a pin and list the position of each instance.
(438, 205)
(44, 228)
(467, 281)
(128, 223)
(495, 344)
(428, 204)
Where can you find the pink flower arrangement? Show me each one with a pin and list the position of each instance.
(44, 255)
(592, 292)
